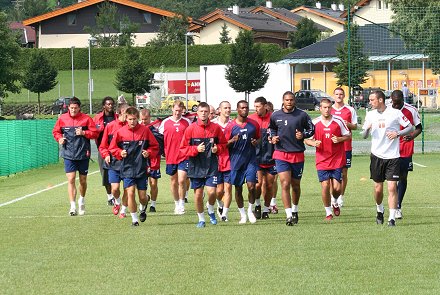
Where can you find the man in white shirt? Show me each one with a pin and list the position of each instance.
(383, 123)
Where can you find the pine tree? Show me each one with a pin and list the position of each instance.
(132, 75)
(224, 35)
(306, 34)
(359, 63)
(247, 71)
(40, 75)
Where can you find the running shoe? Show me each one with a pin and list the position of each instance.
(143, 215)
(212, 218)
(265, 215)
(391, 222)
(257, 212)
(379, 218)
(152, 209)
(336, 210)
(274, 209)
(116, 209)
(200, 224)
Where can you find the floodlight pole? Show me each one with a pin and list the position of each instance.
(186, 70)
(91, 40)
(73, 79)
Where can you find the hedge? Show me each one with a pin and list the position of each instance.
(168, 56)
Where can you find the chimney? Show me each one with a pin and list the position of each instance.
(334, 6)
(318, 5)
(236, 9)
(269, 4)
(341, 7)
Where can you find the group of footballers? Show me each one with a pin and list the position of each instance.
(217, 153)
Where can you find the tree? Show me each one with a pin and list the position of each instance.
(224, 35)
(172, 31)
(40, 75)
(247, 71)
(9, 58)
(359, 63)
(132, 75)
(111, 29)
(307, 33)
(417, 24)
(25, 9)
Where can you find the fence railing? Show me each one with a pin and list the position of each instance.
(26, 144)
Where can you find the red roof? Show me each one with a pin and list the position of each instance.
(29, 31)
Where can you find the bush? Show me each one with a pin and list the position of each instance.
(168, 56)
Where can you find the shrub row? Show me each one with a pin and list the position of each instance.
(168, 56)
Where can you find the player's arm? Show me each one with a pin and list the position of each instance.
(153, 147)
(312, 142)
(114, 149)
(103, 147)
(185, 147)
(418, 129)
(309, 127)
(91, 132)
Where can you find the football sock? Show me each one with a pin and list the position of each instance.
(176, 203)
(379, 208)
(220, 203)
(392, 214)
(123, 209)
(142, 207)
(288, 212)
(265, 209)
(118, 201)
(153, 204)
(109, 197)
(295, 208)
(210, 208)
(250, 207)
(328, 211)
(134, 217)
(201, 216)
(81, 200)
(225, 211)
(273, 202)
(334, 201)
(242, 212)
(257, 202)
(182, 203)
(72, 205)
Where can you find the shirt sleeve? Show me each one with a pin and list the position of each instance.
(103, 147)
(403, 120)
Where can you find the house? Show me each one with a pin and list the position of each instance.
(270, 25)
(26, 34)
(327, 17)
(370, 11)
(392, 64)
(64, 28)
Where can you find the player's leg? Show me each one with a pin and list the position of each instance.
(211, 187)
(154, 191)
(273, 201)
(171, 170)
(71, 191)
(132, 206)
(182, 178)
(325, 196)
(378, 176)
(198, 203)
(268, 182)
(405, 167)
(105, 182)
(251, 181)
(259, 189)
(227, 199)
(82, 193)
(392, 169)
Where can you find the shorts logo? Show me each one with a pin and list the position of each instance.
(395, 176)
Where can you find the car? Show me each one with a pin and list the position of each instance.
(167, 102)
(361, 96)
(60, 105)
(310, 99)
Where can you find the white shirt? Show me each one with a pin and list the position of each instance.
(389, 120)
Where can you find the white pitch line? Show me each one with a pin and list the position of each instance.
(420, 165)
(38, 192)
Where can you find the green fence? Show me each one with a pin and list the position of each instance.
(26, 144)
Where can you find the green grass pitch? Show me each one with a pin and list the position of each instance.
(44, 251)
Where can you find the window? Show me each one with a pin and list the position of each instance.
(147, 17)
(379, 4)
(305, 84)
(71, 19)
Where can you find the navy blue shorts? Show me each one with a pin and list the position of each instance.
(224, 176)
(200, 182)
(171, 169)
(82, 166)
(324, 175)
(406, 164)
(154, 174)
(114, 176)
(141, 183)
(348, 156)
(271, 170)
(249, 174)
(295, 168)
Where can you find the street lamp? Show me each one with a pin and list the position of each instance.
(186, 65)
(92, 41)
(73, 80)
